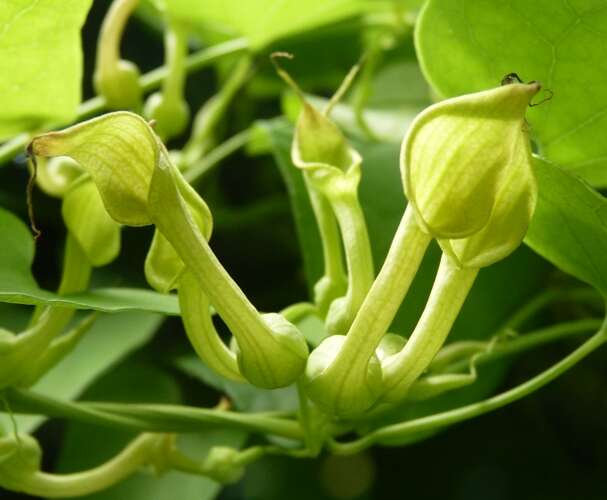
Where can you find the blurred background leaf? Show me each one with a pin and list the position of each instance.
(41, 51)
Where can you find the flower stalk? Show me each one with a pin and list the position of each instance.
(168, 108)
(115, 79)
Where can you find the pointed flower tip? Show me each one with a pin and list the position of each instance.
(457, 154)
(319, 142)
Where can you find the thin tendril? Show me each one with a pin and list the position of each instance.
(32, 166)
(12, 418)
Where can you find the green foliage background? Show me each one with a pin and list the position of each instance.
(551, 445)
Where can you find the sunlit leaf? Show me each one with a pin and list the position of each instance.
(262, 21)
(469, 45)
(41, 63)
(569, 227)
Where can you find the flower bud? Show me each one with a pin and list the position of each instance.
(119, 85)
(349, 399)
(171, 116)
(223, 464)
(318, 142)
(119, 151)
(514, 206)
(458, 155)
(275, 360)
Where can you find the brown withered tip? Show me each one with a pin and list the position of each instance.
(152, 123)
(511, 78)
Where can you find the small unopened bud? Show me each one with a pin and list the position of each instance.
(356, 396)
(460, 155)
(223, 464)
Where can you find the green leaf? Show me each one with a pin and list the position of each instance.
(469, 45)
(569, 227)
(41, 63)
(245, 396)
(17, 284)
(262, 21)
(109, 340)
(146, 384)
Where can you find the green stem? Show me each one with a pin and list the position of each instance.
(108, 47)
(150, 418)
(26, 402)
(55, 351)
(529, 341)
(199, 169)
(74, 278)
(333, 283)
(359, 259)
(148, 81)
(198, 324)
(210, 114)
(127, 462)
(373, 57)
(48, 322)
(184, 417)
(441, 420)
(384, 299)
(448, 294)
(549, 297)
(176, 50)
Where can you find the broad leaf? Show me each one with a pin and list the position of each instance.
(569, 227)
(41, 63)
(261, 21)
(111, 339)
(469, 45)
(17, 284)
